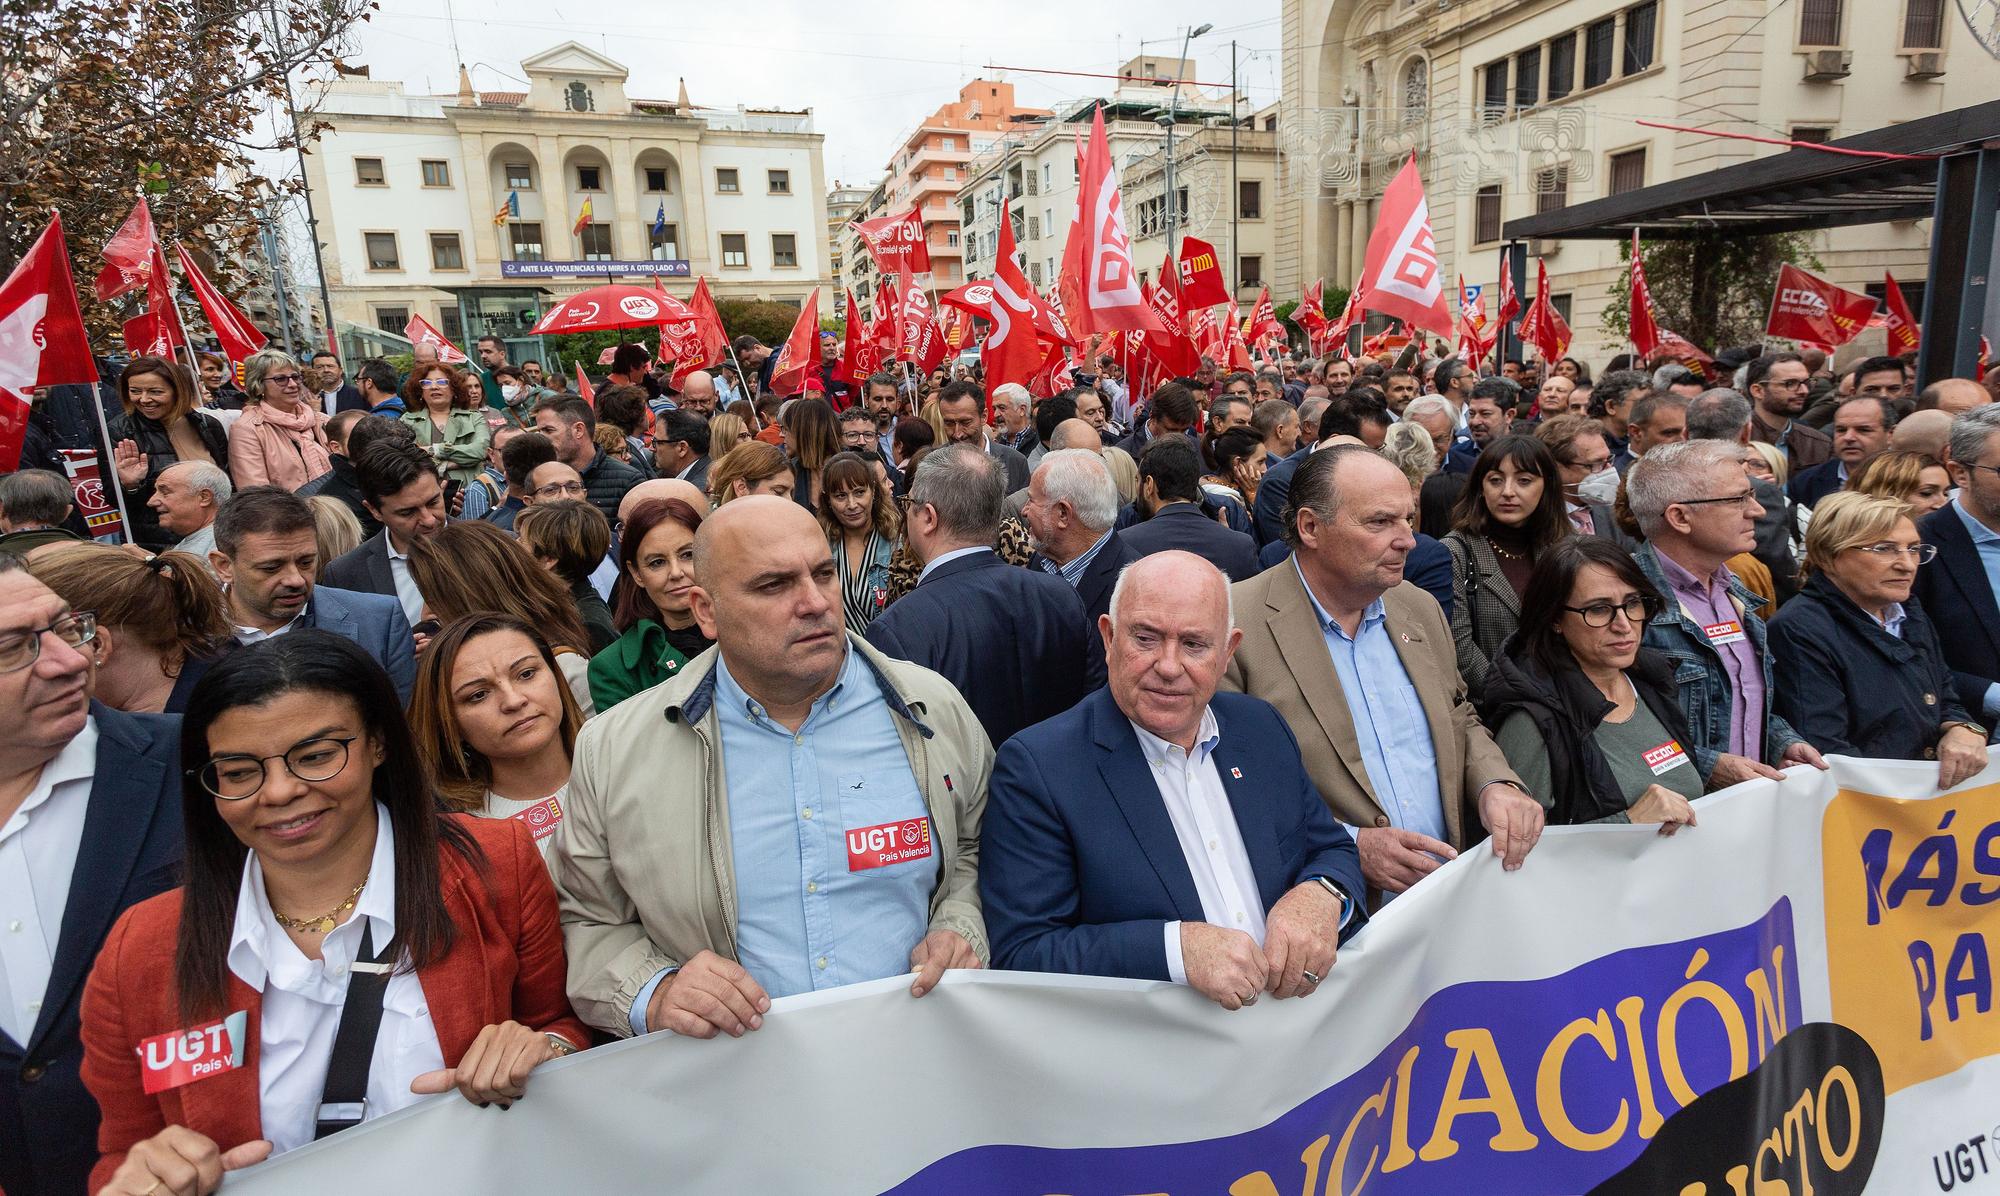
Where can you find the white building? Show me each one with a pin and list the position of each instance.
(469, 209)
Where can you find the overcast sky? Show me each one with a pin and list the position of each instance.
(869, 69)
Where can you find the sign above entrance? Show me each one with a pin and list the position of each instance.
(672, 268)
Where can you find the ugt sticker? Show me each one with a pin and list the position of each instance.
(889, 843)
(542, 818)
(184, 1056)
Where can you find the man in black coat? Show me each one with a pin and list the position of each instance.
(1960, 589)
(1170, 495)
(1012, 640)
(400, 487)
(1072, 511)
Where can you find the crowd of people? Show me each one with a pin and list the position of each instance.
(442, 723)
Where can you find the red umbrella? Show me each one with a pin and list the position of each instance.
(613, 306)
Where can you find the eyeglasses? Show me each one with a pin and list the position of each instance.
(555, 489)
(233, 778)
(1740, 500)
(1637, 609)
(23, 648)
(284, 379)
(1924, 554)
(1787, 383)
(434, 382)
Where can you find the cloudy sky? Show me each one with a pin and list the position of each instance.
(869, 69)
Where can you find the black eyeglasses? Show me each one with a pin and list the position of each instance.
(233, 778)
(1742, 500)
(1637, 609)
(24, 648)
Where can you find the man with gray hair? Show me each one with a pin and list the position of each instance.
(1014, 641)
(1958, 589)
(1014, 407)
(1071, 510)
(1719, 413)
(1697, 509)
(189, 495)
(33, 505)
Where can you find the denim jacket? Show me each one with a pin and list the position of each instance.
(1699, 674)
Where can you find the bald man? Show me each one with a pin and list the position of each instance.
(1161, 830)
(1953, 396)
(1927, 431)
(697, 394)
(844, 787)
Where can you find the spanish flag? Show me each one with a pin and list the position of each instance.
(582, 220)
(511, 210)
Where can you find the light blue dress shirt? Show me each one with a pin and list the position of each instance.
(1389, 720)
(1986, 542)
(1074, 570)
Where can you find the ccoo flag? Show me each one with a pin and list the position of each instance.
(1400, 273)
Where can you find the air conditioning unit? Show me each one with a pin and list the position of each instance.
(1824, 66)
(1923, 65)
(1544, 246)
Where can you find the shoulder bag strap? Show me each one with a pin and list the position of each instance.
(344, 1100)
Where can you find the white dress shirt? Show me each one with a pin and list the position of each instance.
(407, 592)
(257, 635)
(38, 848)
(932, 565)
(1205, 823)
(303, 999)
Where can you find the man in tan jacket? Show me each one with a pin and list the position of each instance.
(1360, 663)
(792, 812)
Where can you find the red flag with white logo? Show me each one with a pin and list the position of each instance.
(1011, 352)
(422, 332)
(1350, 316)
(1311, 312)
(128, 256)
(1200, 270)
(1171, 347)
(1510, 300)
(1473, 343)
(1645, 329)
(1098, 254)
(1401, 272)
(708, 322)
(857, 355)
(238, 337)
(584, 389)
(799, 356)
(1811, 309)
(1903, 332)
(897, 243)
(42, 342)
(1543, 326)
(1264, 325)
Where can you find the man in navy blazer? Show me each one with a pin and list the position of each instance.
(1072, 511)
(1163, 831)
(1011, 639)
(1958, 589)
(1170, 488)
(90, 824)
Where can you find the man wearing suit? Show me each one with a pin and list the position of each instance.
(680, 447)
(90, 824)
(1160, 830)
(1013, 641)
(960, 406)
(265, 556)
(1360, 663)
(399, 486)
(336, 393)
(1170, 494)
(1072, 507)
(1861, 428)
(1958, 590)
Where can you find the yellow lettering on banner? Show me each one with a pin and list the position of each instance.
(1769, 1185)
(1260, 1183)
(1629, 1011)
(1476, 1046)
(1765, 1010)
(1732, 1026)
(1374, 1106)
(1548, 1085)
(1400, 1154)
(1838, 1160)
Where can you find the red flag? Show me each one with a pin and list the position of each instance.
(1543, 326)
(1645, 329)
(708, 322)
(1264, 320)
(1311, 312)
(1350, 316)
(1068, 285)
(1903, 332)
(1054, 376)
(1809, 308)
(1473, 342)
(584, 389)
(1207, 333)
(857, 357)
(916, 316)
(128, 255)
(1201, 281)
(897, 243)
(98, 511)
(233, 331)
(1510, 302)
(1400, 272)
(1098, 253)
(799, 356)
(160, 302)
(42, 342)
(1171, 348)
(1233, 348)
(1011, 352)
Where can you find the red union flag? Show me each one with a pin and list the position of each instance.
(1264, 324)
(128, 259)
(1201, 281)
(1098, 254)
(857, 355)
(1645, 329)
(42, 342)
(799, 355)
(1011, 352)
(1903, 331)
(1510, 301)
(1543, 326)
(1172, 348)
(1311, 313)
(897, 242)
(421, 332)
(1400, 271)
(1811, 309)
(233, 331)
(1472, 339)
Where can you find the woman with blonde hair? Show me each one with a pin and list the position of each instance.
(1409, 447)
(725, 432)
(279, 440)
(335, 530)
(1917, 480)
(161, 622)
(162, 425)
(754, 468)
(434, 409)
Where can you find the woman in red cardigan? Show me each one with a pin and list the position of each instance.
(340, 950)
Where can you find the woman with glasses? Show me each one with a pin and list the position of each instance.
(163, 424)
(653, 611)
(315, 851)
(455, 435)
(1857, 665)
(1509, 515)
(1588, 717)
(279, 439)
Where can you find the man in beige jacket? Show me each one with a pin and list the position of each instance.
(792, 812)
(1360, 663)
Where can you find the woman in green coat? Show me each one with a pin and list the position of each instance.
(434, 410)
(655, 574)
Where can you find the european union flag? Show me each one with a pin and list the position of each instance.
(660, 220)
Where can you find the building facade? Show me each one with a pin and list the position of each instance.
(477, 211)
(841, 205)
(1518, 106)
(933, 161)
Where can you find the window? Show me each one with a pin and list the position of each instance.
(1639, 23)
(1416, 88)
(446, 253)
(368, 173)
(951, 174)
(595, 241)
(382, 254)
(1250, 199)
(735, 251)
(1486, 214)
(780, 181)
(1034, 274)
(1034, 228)
(665, 243)
(392, 319)
(1562, 66)
(1812, 134)
(527, 239)
(450, 323)
(1628, 171)
(437, 173)
(520, 176)
(1819, 22)
(1047, 168)
(785, 250)
(725, 180)
(1495, 102)
(1528, 78)
(656, 178)
(951, 238)
(1562, 305)
(1923, 25)
(1597, 45)
(589, 178)
(1551, 189)
(1250, 271)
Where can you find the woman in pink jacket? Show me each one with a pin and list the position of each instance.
(278, 440)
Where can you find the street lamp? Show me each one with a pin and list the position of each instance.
(1172, 114)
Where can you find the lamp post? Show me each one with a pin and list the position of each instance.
(1172, 113)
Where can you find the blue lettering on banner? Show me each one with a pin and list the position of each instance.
(674, 268)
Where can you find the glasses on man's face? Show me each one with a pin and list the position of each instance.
(1922, 554)
(235, 777)
(1787, 383)
(286, 380)
(1637, 609)
(20, 649)
(1740, 501)
(559, 489)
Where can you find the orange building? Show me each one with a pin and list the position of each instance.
(931, 164)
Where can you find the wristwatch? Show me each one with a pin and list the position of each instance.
(1975, 728)
(1335, 889)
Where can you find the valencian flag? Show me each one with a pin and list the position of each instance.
(1201, 281)
(582, 220)
(42, 342)
(1400, 271)
(233, 330)
(1645, 329)
(799, 355)
(1097, 258)
(1903, 333)
(897, 243)
(128, 256)
(511, 210)
(1813, 311)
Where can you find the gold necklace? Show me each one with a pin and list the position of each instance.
(326, 921)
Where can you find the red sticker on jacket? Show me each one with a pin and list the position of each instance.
(889, 843)
(542, 817)
(184, 1056)
(1729, 631)
(1667, 756)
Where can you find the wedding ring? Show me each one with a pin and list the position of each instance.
(1307, 973)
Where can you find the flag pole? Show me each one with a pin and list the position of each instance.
(109, 463)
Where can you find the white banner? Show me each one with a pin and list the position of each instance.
(1795, 995)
